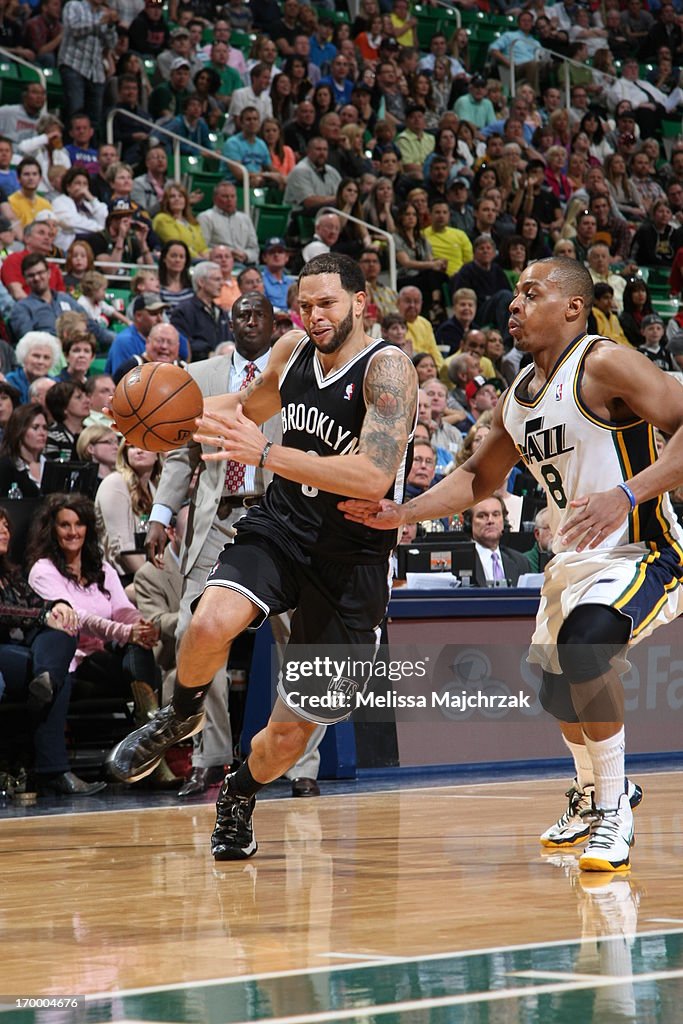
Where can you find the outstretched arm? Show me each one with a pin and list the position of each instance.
(261, 399)
(476, 479)
(391, 397)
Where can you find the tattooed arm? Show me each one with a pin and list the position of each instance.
(391, 397)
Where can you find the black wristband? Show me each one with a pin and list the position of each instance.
(265, 453)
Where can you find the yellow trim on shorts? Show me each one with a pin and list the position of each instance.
(638, 580)
(659, 507)
(671, 585)
(635, 515)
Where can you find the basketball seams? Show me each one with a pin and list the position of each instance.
(168, 398)
(146, 383)
(135, 421)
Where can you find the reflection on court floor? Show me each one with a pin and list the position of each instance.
(617, 978)
(407, 906)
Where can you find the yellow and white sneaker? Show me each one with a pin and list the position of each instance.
(611, 838)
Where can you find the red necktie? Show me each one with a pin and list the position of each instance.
(234, 471)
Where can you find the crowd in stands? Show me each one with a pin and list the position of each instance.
(526, 130)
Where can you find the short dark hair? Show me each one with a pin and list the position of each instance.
(74, 172)
(79, 339)
(59, 397)
(11, 392)
(28, 161)
(246, 270)
(90, 382)
(391, 319)
(574, 277)
(351, 276)
(601, 289)
(32, 260)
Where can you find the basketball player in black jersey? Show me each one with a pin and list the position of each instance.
(348, 405)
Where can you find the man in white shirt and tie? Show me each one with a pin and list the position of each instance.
(494, 565)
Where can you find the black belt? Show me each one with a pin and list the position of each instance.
(230, 502)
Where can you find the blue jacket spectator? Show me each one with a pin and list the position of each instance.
(148, 310)
(190, 125)
(204, 323)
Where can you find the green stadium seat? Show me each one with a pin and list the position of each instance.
(27, 74)
(665, 307)
(425, 31)
(472, 17)
(204, 183)
(242, 41)
(271, 221)
(11, 84)
(305, 227)
(656, 276)
(190, 164)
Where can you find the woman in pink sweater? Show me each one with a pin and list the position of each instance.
(115, 643)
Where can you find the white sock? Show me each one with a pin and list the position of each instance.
(608, 768)
(582, 763)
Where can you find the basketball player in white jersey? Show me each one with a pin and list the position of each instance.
(581, 417)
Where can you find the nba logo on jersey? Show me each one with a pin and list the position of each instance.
(348, 393)
(558, 392)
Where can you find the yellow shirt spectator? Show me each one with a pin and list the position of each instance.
(421, 334)
(403, 24)
(608, 325)
(449, 244)
(26, 208)
(169, 228)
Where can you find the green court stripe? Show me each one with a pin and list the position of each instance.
(238, 979)
(412, 1005)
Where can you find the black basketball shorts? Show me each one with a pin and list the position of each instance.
(338, 608)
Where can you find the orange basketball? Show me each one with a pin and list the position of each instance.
(155, 406)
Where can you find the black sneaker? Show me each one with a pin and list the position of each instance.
(233, 836)
(141, 751)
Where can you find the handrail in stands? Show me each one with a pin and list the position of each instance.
(371, 227)
(27, 64)
(154, 129)
(560, 56)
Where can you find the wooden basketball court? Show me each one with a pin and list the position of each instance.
(409, 904)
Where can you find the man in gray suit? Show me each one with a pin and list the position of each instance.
(158, 590)
(220, 497)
